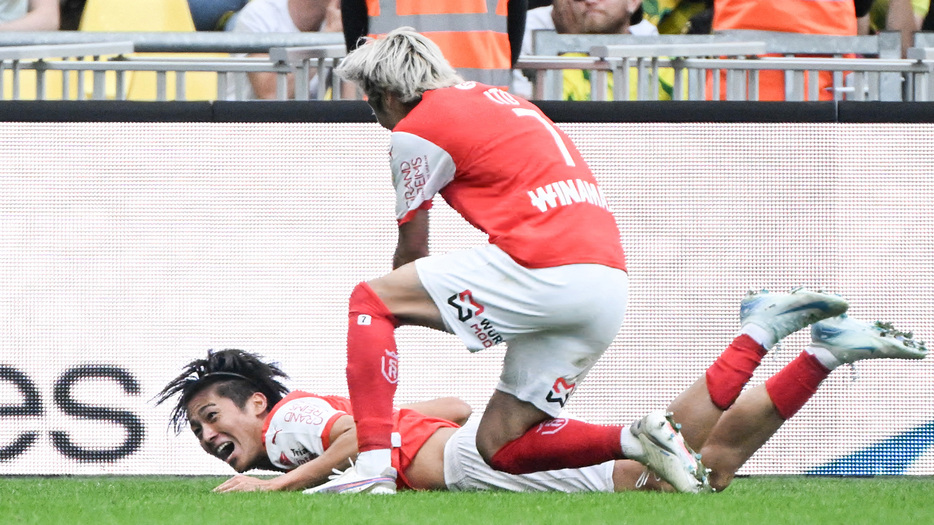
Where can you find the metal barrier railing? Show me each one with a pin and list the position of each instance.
(862, 82)
(886, 45)
(17, 58)
(692, 63)
(646, 60)
(84, 45)
(305, 59)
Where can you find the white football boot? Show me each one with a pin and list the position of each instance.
(350, 482)
(782, 314)
(850, 340)
(667, 455)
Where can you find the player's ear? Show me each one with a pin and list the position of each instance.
(258, 403)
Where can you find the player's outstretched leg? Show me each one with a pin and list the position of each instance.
(666, 453)
(766, 318)
(843, 340)
(835, 342)
(350, 482)
(761, 411)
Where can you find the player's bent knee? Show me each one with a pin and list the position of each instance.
(366, 308)
(487, 448)
(719, 481)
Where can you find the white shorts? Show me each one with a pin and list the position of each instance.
(556, 322)
(465, 470)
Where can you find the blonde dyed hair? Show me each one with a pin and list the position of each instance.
(402, 62)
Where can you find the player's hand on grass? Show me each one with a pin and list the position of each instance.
(241, 483)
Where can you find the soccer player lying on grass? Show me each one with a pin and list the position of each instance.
(241, 412)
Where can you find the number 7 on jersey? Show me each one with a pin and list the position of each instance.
(525, 112)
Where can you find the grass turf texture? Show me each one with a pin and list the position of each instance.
(163, 500)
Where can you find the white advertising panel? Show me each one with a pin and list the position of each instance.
(128, 250)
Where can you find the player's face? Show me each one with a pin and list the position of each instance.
(593, 16)
(228, 432)
(388, 110)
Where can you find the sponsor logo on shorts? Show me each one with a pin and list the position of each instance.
(466, 306)
(469, 309)
(486, 333)
(391, 366)
(560, 392)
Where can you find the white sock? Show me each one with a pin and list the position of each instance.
(823, 355)
(632, 447)
(760, 335)
(373, 463)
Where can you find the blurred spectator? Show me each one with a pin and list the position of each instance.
(30, 15)
(597, 17)
(678, 17)
(904, 16)
(813, 17)
(482, 45)
(881, 13)
(588, 17)
(213, 15)
(282, 16)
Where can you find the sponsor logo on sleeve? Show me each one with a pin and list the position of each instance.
(308, 414)
(414, 174)
(300, 456)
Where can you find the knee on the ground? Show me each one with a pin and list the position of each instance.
(719, 481)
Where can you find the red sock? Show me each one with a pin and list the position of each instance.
(793, 385)
(559, 443)
(372, 367)
(727, 376)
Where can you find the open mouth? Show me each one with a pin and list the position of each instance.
(224, 450)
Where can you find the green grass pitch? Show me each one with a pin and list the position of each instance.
(189, 500)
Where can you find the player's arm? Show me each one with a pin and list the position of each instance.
(420, 169)
(451, 408)
(343, 438)
(413, 239)
(337, 456)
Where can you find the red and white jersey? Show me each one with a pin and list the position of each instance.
(509, 171)
(298, 430)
